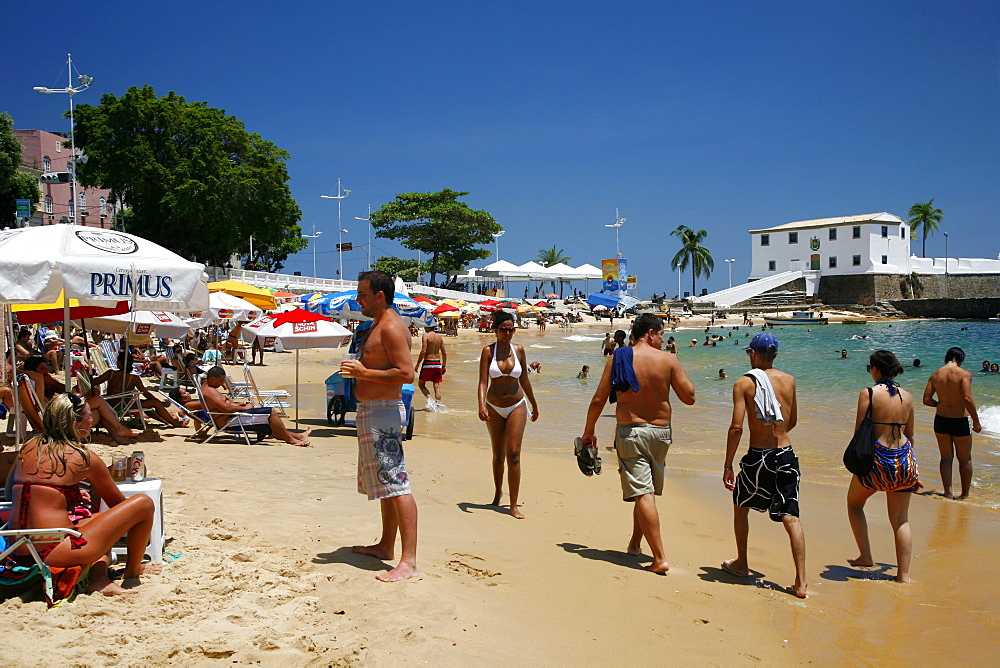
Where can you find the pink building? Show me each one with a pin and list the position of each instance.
(44, 152)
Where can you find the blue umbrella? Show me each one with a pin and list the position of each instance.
(345, 305)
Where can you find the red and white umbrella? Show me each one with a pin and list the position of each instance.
(444, 308)
(165, 325)
(294, 330)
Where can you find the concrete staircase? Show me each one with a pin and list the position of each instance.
(741, 293)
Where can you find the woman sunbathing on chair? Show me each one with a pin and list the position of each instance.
(37, 369)
(47, 494)
(125, 381)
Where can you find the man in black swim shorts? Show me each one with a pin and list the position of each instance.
(953, 408)
(769, 473)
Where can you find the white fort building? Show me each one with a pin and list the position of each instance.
(858, 259)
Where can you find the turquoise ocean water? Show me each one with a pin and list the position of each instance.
(828, 388)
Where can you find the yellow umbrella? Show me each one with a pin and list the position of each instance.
(259, 297)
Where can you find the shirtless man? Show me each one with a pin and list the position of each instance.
(954, 405)
(643, 436)
(384, 366)
(769, 472)
(217, 402)
(434, 359)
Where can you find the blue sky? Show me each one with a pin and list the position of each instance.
(723, 116)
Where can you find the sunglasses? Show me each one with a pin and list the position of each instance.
(868, 367)
(506, 329)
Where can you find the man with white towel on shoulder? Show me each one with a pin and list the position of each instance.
(769, 473)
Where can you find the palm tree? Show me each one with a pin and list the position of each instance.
(548, 257)
(693, 253)
(927, 219)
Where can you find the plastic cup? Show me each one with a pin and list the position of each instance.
(347, 357)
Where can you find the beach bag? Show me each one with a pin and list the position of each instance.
(859, 457)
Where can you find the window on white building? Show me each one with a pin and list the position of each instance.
(770, 265)
(856, 232)
(902, 232)
(885, 259)
(856, 261)
(833, 234)
(885, 231)
(58, 147)
(833, 262)
(765, 240)
(103, 206)
(48, 204)
(793, 237)
(46, 164)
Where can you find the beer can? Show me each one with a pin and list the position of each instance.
(137, 466)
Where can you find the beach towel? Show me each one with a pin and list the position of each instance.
(766, 402)
(622, 373)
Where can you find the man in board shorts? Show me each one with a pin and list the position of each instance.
(431, 364)
(639, 379)
(384, 366)
(769, 472)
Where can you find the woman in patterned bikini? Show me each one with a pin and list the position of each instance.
(895, 469)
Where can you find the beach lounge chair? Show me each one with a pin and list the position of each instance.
(271, 398)
(31, 406)
(236, 424)
(13, 539)
(124, 403)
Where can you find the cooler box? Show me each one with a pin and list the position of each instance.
(408, 391)
(335, 386)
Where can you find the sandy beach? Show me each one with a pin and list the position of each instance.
(261, 569)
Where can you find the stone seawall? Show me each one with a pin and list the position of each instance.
(869, 289)
(962, 308)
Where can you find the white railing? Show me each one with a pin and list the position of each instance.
(441, 293)
(286, 282)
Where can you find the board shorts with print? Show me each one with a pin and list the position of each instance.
(432, 370)
(381, 469)
(642, 455)
(768, 481)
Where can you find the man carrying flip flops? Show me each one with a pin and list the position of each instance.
(639, 379)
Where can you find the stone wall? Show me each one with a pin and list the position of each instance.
(869, 289)
(987, 307)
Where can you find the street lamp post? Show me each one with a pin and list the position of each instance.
(618, 223)
(85, 82)
(945, 265)
(314, 235)
(730, 263)
(369, 221)
(496, 240)
(341, 194)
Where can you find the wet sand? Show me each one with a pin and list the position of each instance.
(264, 571)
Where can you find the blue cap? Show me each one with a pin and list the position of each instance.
(763, 343)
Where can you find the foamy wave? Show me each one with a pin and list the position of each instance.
(989, 417)
(538, 345)
(581, 337)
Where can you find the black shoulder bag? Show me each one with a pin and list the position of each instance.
(859, 457)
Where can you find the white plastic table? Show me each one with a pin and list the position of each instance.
(153, 488)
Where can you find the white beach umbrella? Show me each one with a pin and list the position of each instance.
(164, 324)
(227, 307)
(96, 267)
(295, 330)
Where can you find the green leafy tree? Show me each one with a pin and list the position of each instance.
(926, 218)
(439, 225)
(548, 257)
(692, 253)
(911, 284)
(193, 179)
(13, 184)
(405, 268)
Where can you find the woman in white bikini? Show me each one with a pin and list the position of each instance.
(504, 396)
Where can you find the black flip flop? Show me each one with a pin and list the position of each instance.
(586, 458)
